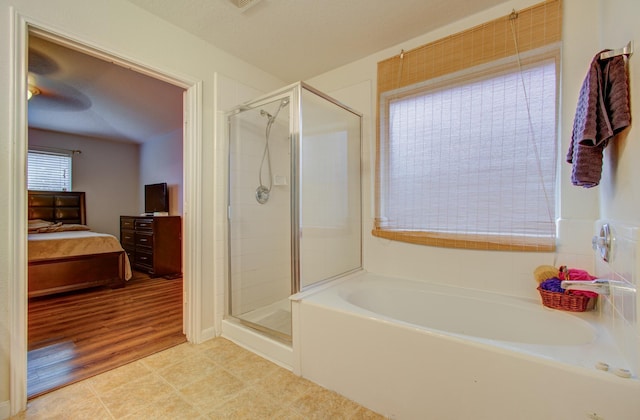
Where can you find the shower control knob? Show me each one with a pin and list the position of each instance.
(597, 242)
(262, 194)
(602, 243)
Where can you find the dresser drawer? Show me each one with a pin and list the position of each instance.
(127, 237)
(144, 239)
(144, 224)
(127, 223)
(144, 259)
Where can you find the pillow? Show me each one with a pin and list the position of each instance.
(35, 224)
(66, 227)
(59, 227)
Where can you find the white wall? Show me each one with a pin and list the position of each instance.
(505, 272)
(107, 171)
(120, 28)
(161, 161)
(620, 187)
(113, 174)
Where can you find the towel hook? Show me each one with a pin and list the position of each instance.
(626, 50)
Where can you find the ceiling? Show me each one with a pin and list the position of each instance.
(298, 39)
(291, 39)
(84, 95)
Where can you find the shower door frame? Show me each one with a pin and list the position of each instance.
(297, 192)
(293, 96)
(294, 93)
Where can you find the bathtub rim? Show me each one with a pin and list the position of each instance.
(334, 358)
(531, 352)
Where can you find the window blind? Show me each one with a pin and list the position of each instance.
(49, 171)
(466, 151)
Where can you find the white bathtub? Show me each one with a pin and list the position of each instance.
(416, 350)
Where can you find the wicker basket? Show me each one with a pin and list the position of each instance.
(566, 302)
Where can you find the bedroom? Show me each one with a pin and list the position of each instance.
(121, 130)
(130, 134)
(218, 79)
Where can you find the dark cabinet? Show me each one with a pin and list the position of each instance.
(153, 244)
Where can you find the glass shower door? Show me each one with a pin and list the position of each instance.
(330, 189)
(260, 217)
(294, 202)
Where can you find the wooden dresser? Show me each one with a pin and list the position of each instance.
(154, 244)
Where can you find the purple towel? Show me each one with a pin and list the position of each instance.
(602, 111)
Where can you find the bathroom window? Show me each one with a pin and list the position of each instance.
(49, 171)
(466, 156)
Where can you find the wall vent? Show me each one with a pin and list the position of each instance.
(243, 5)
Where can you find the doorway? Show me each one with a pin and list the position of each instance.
(104, 116)
(192, 191)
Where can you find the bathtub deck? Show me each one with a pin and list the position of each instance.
(403, 370)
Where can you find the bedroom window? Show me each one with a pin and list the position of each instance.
(466, 153)
(49, 171)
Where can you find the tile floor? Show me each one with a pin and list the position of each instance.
(213, 380)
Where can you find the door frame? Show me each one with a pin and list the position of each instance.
(21, 27)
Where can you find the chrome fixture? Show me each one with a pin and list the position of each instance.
(602, 243)
(263, 191)
(243, 5)
(626, 50)
(599, 286)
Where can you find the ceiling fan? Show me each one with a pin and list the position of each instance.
(45, 91)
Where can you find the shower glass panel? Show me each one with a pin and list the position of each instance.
(294, 202)
(330, 221)
(260, 217)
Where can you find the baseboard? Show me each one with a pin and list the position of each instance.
(207, 334)
(5, 410)
(266, 347)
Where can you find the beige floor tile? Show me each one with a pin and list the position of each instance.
(222, 351)
(63, 400)
(324, 404)
(170, 408)
(251, 368)
(189, 370)
(174, 354)
(288, 414)
(136, 395)
(217, 379)
(248, 404)
(285, 386)
(212, 390)
(89, 409)
(363, 413)
(114, 378)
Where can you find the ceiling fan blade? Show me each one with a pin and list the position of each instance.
(57, 96)
(40, 63)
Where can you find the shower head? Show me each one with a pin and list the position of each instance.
(265, 113)
(283, 103)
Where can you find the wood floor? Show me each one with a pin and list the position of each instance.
(77, 335)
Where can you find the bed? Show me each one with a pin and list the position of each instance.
(64, 254)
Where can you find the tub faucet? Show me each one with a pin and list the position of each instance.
(599, 286)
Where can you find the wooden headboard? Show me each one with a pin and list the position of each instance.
(58, 206)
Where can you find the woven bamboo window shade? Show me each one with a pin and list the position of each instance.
(534, 28)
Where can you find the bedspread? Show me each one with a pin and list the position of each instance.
(66, 244)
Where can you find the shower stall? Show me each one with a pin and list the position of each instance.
(294, 202)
